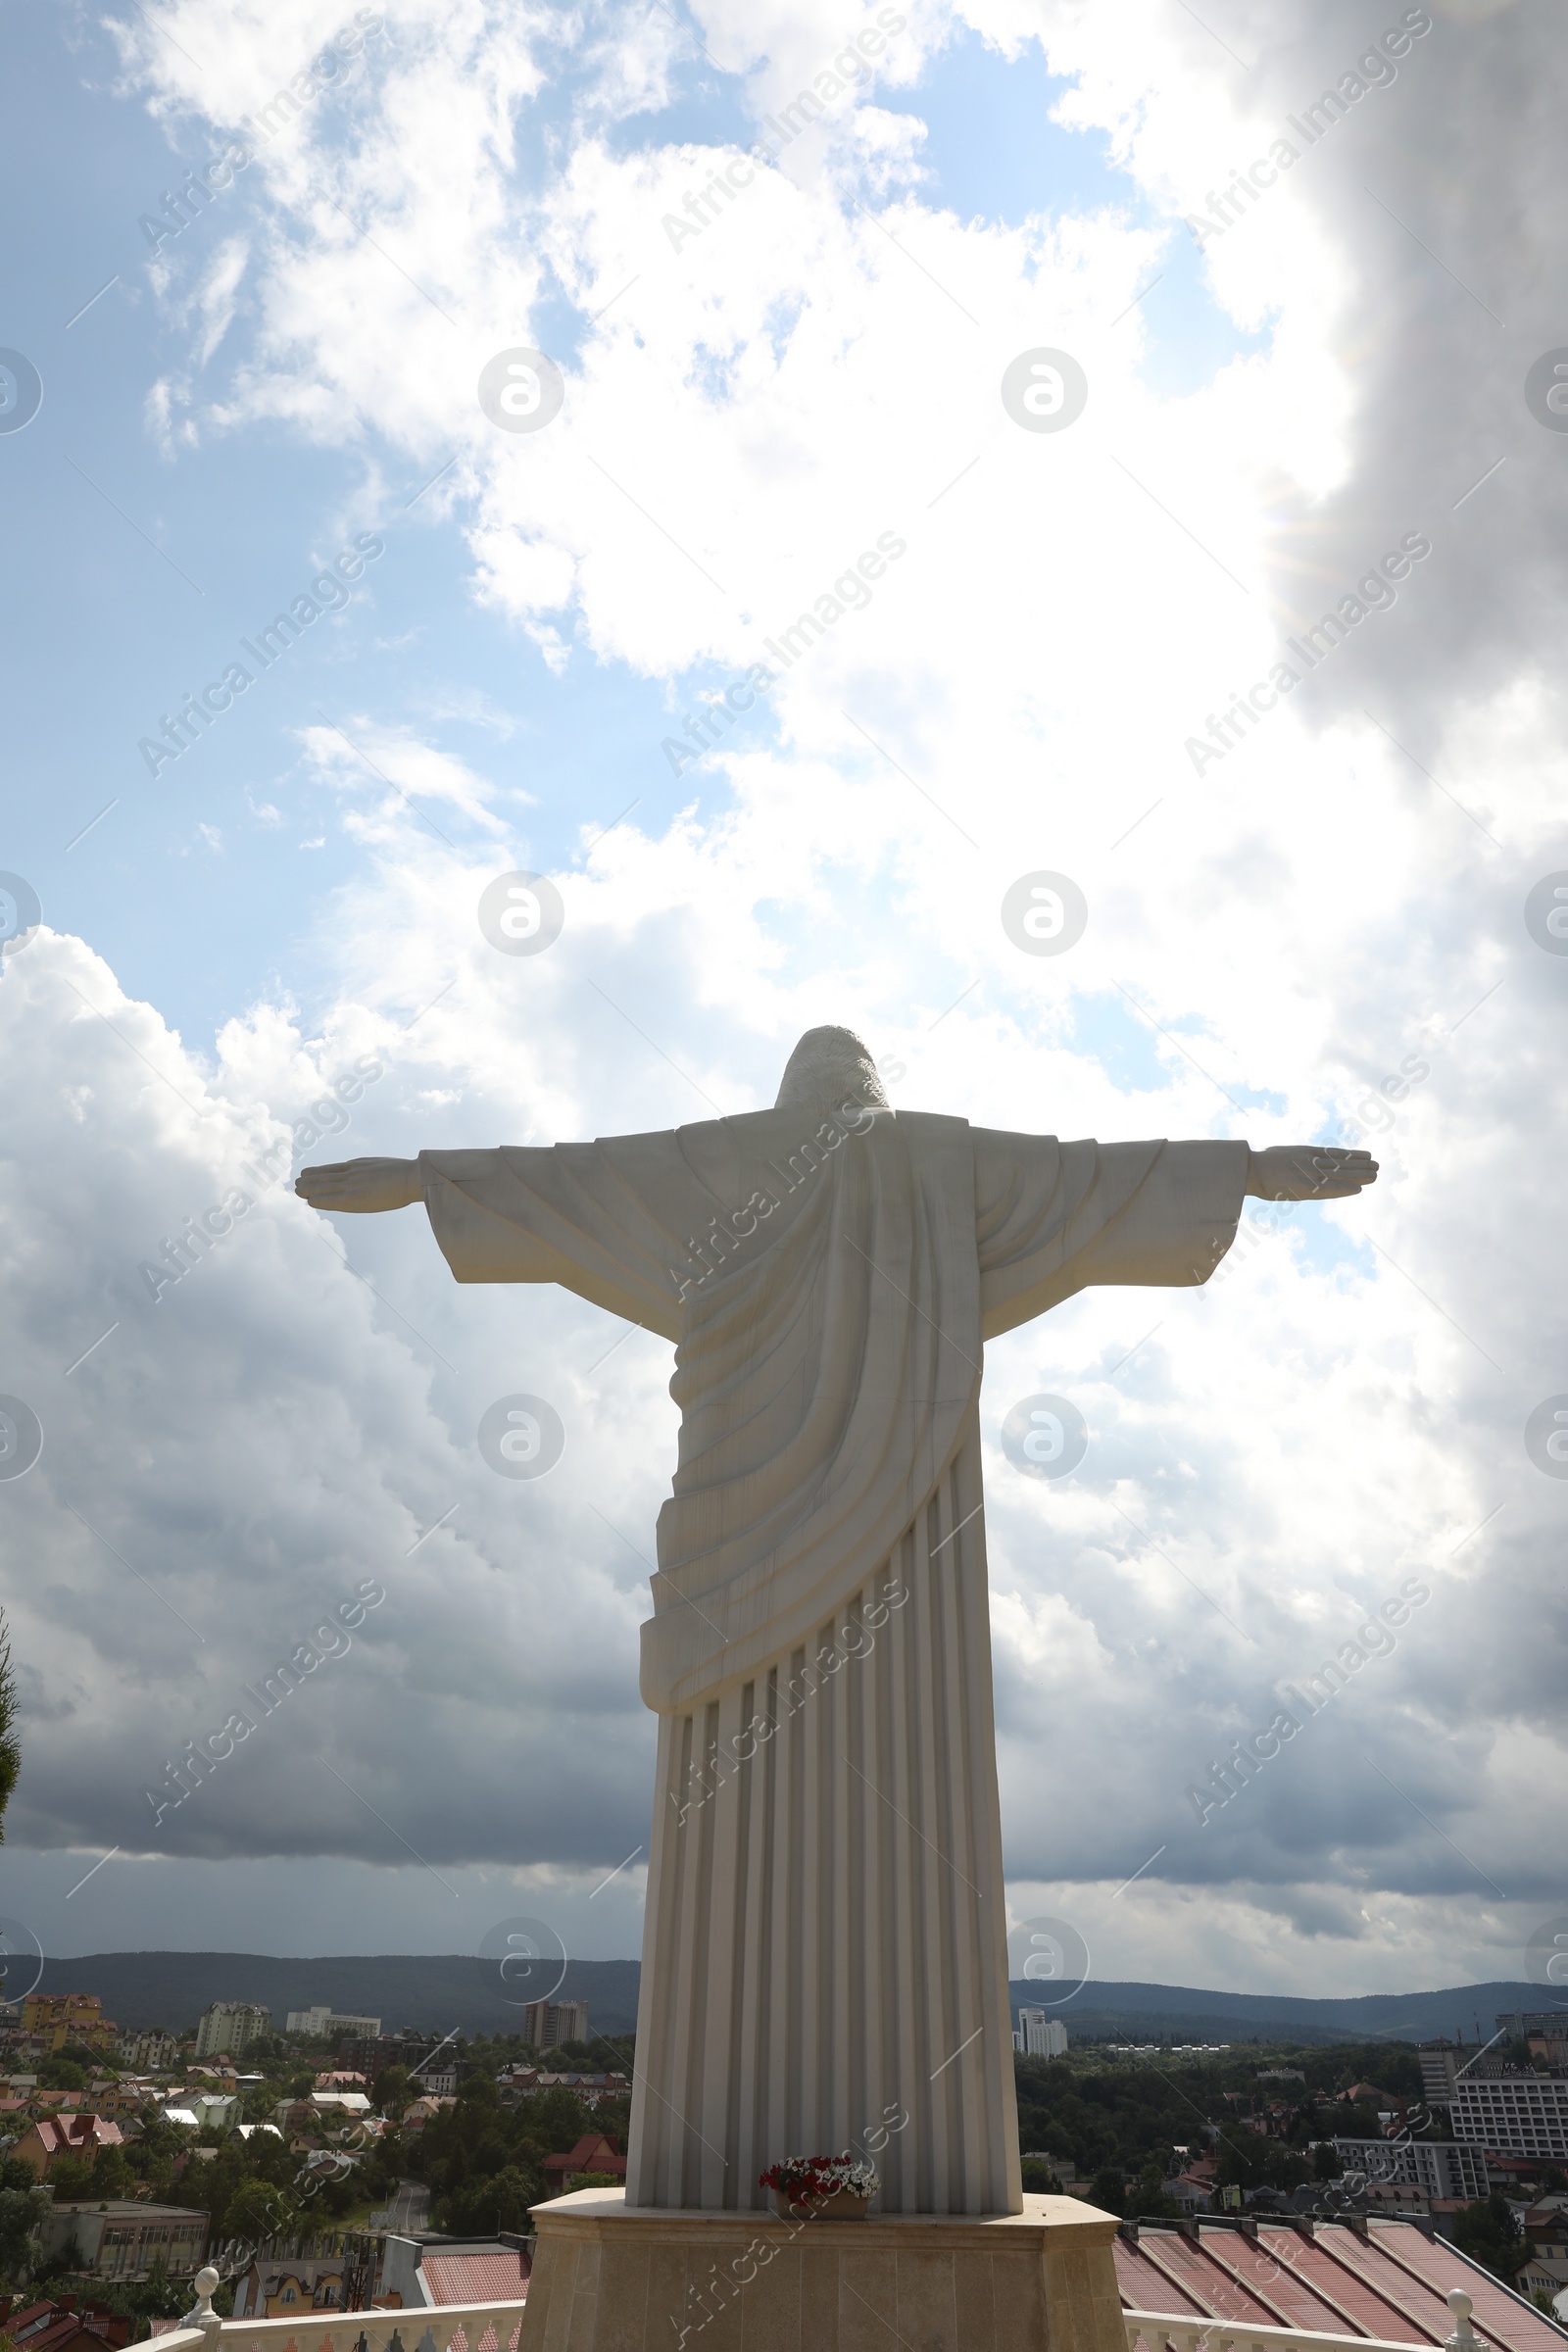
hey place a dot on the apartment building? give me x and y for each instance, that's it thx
(547, 2023)
(1519, 2112)
(231, 2025)
(1440, 2168)
(1039, 2035)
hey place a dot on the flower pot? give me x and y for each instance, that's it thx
(840, 2208)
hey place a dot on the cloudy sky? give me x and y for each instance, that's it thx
(1305, 394)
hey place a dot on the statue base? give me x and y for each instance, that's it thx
(613, 2278)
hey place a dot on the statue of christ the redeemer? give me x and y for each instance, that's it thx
(824, 1956)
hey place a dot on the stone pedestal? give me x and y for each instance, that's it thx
(614, 2278)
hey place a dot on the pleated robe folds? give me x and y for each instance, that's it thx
(824, 1958)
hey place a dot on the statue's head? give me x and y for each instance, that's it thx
(830, 1066)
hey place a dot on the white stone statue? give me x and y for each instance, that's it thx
(824, 1956)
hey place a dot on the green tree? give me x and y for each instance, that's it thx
(500, 2202)
(465, 2151)
(1148, 2200)
(70, 2178)
(10, 1748)
(112, 2175)
(21, 2212)
(394, 2088)
(154, 2156)
(1485, 2232)
(257, 2210)
(1326, 2165)
(1108, 2190)
(560, 2119)
(338, 2197)
(61, 2073)
(158, 2296)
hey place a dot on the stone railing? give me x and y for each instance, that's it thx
(444, 2327)
(496, 2327)
(1187, 2331)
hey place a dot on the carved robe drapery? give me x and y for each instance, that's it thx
(824, 1958)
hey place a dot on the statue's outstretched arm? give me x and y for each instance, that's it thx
(361, 1185)
(576, 1214)
(1308, 1173)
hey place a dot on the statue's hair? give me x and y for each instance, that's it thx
(827, 1067)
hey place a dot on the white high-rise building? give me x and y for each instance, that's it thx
(1518, 2113)
(1040, 2035)
(152, 2050)
(547, 2023)
(327, 2021)
(322, 2019)
(229, 2025)
(1444, 2168)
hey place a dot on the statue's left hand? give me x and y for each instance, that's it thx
(1308, 1173)
(362, 1186)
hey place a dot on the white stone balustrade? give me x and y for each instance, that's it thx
(447, 2327)
(498, 2327)
(1188, 2332)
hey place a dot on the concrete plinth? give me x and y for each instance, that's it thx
(614, 2278)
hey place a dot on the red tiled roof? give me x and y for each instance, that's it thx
(593, 2153)
(1392, 2284)
(62, 2135)
(1370, 2292)
(475, 2277)
(72, 2333)
(1502, 2317)
(49, 2325)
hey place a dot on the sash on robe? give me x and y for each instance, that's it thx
(828, 1288)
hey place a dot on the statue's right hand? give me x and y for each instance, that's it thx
(361, 1185)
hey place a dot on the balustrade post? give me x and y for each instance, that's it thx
(201, 2312)
(1464, 2337)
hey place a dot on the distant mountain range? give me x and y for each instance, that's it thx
(448, 1991)
(1181, 2013)
(441, 1991)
